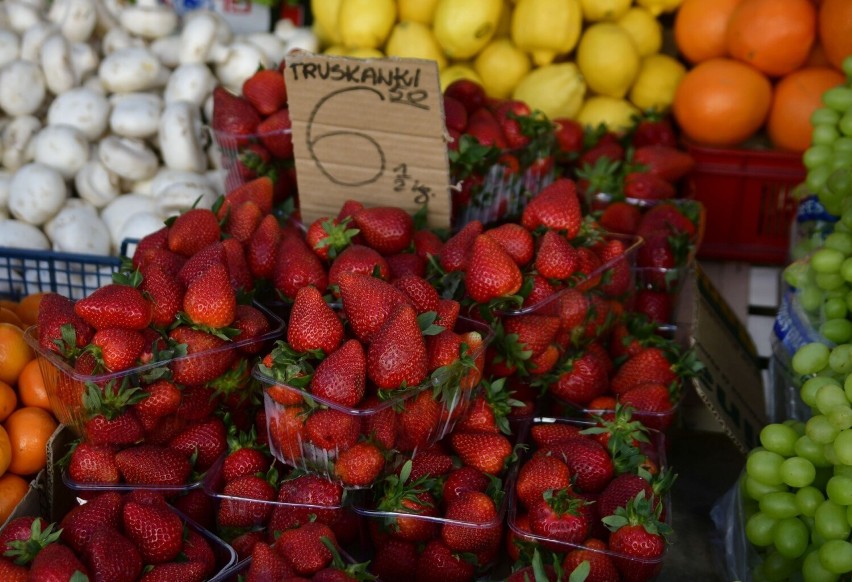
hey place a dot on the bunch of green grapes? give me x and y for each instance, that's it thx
(798, 483)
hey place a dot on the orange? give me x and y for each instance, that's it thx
(796, 97)
(15, 352)
(5, 451)
(28, 308)
(835, 29)
(775, 36)
(8, 401)
(722, 102)
(9, 316)
(29, 429)
(31, 387)
(817, 56)
(700, 27)
(12, 490)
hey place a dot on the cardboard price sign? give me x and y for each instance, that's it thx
(369, 130)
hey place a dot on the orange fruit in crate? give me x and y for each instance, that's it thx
(31, 387)
(5, 451)
(796, 97)
(29, 429)
(835, 29)
(722, 102)
(8, 401)
(700, 27)
(12, 490)
(15, 352)
(28, 308)
(774, 36)
(9, 316)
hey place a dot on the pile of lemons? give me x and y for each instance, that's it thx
(597, 61)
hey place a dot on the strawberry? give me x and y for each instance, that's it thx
(555, 207)
(198, 550)
(331, 430)
(644, 186)
(438, 562)
(442, 349)
(590, 462)
(157, 240)
(581, 378)
(198, 263)
(628, 486)
(197, 506)
(57, 563)
(56, 311)
(258, 191)
(163, 258)
(638, 540)
(420, 293)
(93, 464)
(448, 312)
(386, 229)
(358, 259)
(11, 572)
(110, 420)
(545, 361)
(245, 502)
(117, 348)
(455, 254)
(380, 425)
(455, 114)
(359, 465)
(297, 266)
(175, 572)
(111, 557)
(252, 324)
(664, 161)
(198, 403)
(621, 217)
(472, 507)
(341, 377)
(484, 127)
(368, 302)
(487, 452)
(546, 434)
(652, 404)
(561, 516)
(670, 218)
(152, 465)
(467, 92)
(200, 368)
(165, 294)
(594, 552)
(418, 421)
(234, 118)
(515, 240)
(462, 480)
(267, 564)
(653, 130)
(509, 114)
(80, 524)
(328, 237)
(649, 365)
(245, 543)
(304, 498)
(156, 530)
(243, 460)
(276, 135)
(192, 231)
(286, 429)
(210, 300)
(539, 474)
(534, 332)
(540, 291)
(261, 254)
(405, 264)
(243, 221)
(313, 324)
(266, 91)
(402, 495)
(426, 463)
(658, 306)
(207, 441)
(569, 135)
(115, 305)
(21, 529)
(607, 147)
(303, 548)
(397, 353)
(491, 272)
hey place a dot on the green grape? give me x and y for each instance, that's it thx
(808, 498)
(836, 556)
(845, 125)
(814, 452)
(814, 571)
(830, 281)
(827, 260)
(830, 453)
(838, 98)
(765, 466)
(842, 147)
(754, 489)
(797, 425)
(839, 293)
(824, 134)
(779, 505)
(830, 521)
(840, 417)
(811, 297)
(816, 179)
(835, 307)
(840, 180)
(825, 116)
(790, 537)
(838, 331)
(817, 156)
(839, 490)
(838, 162)
(820, 430)
(849, 514)
(759, 528)
(779, 438)
(832, 395)
(795, 274)
(839, 241)
(841, 470)
(811, 386)
(846, 269)
(810, 358)
(777, 568)
(797, 472)
(843, 446)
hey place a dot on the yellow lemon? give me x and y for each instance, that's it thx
(365, 23)
(464, 27)
(325, 21)
(336, 50)
(365, 53)
(645, 30)
(501, 65)
(421, 11)
(597, 10)
(615, 114)
(655, 86)
(657, 7)
(556, 90)
(414, 40)
(457, 71)
(546, 28)
(608, 59)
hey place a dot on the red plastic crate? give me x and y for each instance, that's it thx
(748, 197)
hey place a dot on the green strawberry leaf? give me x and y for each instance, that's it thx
(581, 572)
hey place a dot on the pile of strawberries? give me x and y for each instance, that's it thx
(592, 492)
(121, 538)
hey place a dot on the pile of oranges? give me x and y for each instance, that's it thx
(758, 64)
(26, 420)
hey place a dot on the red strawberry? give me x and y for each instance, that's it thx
(448, 313)
(427, 243)
(11, 572)
(556, 258)
(267, 565)
(487, 452)
(595, 552)
(442, 349)
(569, 135)
(545, 434)
(234, 118)
(332, 430)
(380, 424)
(468, 93)
(397, 353)
(438, 562)
(152, 465)
(539, 474)
(244, 544)
(276, 135)
(303, 548)
(111, 557)
(455, 114)
(665, 161)
(541, 290)
(405, 264)
(115, 305)
(198, 551)
(157, 240)
(647, 187)
(210, 300)
(156, 530)
(561, 516)
(198, 263)
(200, 368)
(427, 463)
(607, 146)
(455, 254)
(261, 254)
(118, 348)
(652, 404)
(245, 502)
(244, 461)
(395, 560)
(637, 540)
(252, 325)
(628, 485)
(93, 464)
(56, 563)
(266, 91)
(621, 217)
(55, 312)
(359, 465)
(198, 403)
(581, 379)
(545, 361)
(508, 113)
(110, 419)
(491, 272)
(420, 293)
(328, 237)
(298, 266)
(368, 302)
(303, 499)
(471, 507)
(462, 480)
(285, 432)
(649, 365)
(205, 440)
(163, 258)
(484, 127)
(386, 229)
(418, 421)
(358, 259)
(79, 524)
(658, 306)
(590, 463)
(175, 572)
(258, 191)
(341, 377)
(515, 240)
(197, 506)
(243, 220)
(556, 207)
(670, 218)
(313, 324)
(192, 231)
(164, 292)
(654, 131)
(534, 332)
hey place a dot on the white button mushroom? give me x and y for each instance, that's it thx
(80, 230)
(22, 88)
(149, 22)
(63, 148)
(116, 213)
(33, 38)
(76, 18)
(10, 46)
(84, 60)
(59, 74)
(96, 185)
(22, 235)
(141, 224)
(131, 69)
(180, 137)
(131, 159)
(37, 193)
(135, 114)
(17, 137)
(178, 197)
(198, 36)
(242, 62)
(116, 39)
(191, 82)
(22, 15)
(272, 47)
(167, 49)
(83, 108)
(5, 186)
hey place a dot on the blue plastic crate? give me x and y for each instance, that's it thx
(27, 271)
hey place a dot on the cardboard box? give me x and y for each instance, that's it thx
(728, 393)
(34, 503)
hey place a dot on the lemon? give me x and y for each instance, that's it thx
(457, 71)
(414, 40)
(421, 11)
(365, 53)
(546, 28)
(557, 90)
(365, 23)
(659, 76)
(597, 10)
(464, 27)
(501, 65)
(657, 7)
(645, 30)
(325, 21)
(615, 114)
(336, 50)
(608, 59)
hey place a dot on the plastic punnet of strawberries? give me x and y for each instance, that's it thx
(592, 492)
